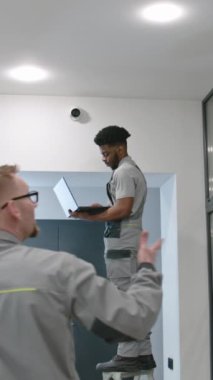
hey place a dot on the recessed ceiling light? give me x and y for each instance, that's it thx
(162, 12)
(28, 73)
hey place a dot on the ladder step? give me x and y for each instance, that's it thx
(140, 375)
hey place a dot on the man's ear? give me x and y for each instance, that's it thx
(13, 210)
(120, 148)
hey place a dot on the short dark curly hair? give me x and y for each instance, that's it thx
(111, 135)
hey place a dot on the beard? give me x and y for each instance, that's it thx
(115, 162)
(35, 231)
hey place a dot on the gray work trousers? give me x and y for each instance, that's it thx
(119, 272)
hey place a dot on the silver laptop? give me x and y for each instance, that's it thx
(68, 202)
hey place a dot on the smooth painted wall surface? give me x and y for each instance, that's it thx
(38, 134)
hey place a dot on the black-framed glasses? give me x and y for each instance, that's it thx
(33, 195)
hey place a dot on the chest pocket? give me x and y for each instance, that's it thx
(112, 230)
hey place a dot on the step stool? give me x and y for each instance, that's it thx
(140, 375)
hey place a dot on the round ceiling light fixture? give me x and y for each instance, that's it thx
(162, 12)
(27, 73)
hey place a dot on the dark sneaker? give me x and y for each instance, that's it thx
(119, 364)
(146, 362)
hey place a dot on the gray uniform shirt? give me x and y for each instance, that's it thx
(127, 181)
(42, 291)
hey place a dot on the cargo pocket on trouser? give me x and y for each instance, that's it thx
(112, 230)
(120, 270)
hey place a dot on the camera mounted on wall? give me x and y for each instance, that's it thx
(75, 113)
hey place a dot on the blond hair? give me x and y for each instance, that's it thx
(7, 173)
(7, 170)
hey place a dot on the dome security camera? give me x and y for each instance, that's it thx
(75, 113)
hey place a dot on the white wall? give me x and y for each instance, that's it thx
(171, 310)
(38, 134)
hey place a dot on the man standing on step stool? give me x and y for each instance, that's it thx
(127, 191)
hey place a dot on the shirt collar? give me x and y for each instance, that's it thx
(7, 236)
(125, 159)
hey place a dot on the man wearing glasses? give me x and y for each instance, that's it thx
(27, 201)
(42, 291)
(127, 192)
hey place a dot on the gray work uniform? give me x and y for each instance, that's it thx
(121, 238)
(42, 291)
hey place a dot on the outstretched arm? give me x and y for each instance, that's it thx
(113, 314)
(147, 254)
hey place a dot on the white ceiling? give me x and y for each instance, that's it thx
(102, 48)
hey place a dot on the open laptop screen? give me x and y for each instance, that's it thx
(68, 202)
(65, 197)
